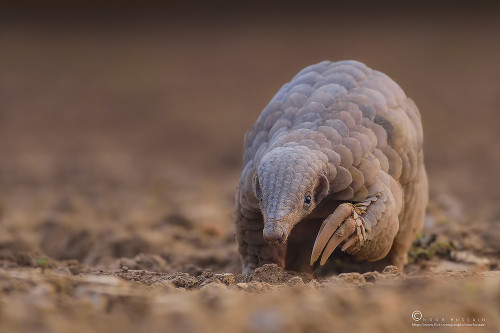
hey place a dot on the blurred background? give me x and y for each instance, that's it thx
(121, 126)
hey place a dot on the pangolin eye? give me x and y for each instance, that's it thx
(307, 200)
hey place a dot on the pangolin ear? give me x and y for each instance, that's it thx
(322, 188)
(256, 187)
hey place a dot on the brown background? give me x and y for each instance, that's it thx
(183, 83)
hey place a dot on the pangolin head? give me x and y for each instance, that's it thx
(289, 183)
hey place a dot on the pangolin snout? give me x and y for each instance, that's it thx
(274, 234)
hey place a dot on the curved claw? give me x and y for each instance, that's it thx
(328, 227)
(350, 242)
(343, 233)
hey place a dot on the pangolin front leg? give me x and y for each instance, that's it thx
(353, 224)
(254, 251)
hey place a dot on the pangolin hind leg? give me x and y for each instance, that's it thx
(412, 220)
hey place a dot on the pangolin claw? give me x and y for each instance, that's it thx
(328, 228)
(345, 230)
(351, 241)
(345, 225)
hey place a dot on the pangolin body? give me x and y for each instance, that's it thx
(336, 157)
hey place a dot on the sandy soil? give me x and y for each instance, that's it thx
(121, 148)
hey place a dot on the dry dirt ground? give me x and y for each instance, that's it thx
(120, 154)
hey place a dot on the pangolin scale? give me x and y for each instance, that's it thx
(334, 159)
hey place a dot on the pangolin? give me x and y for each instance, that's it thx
(335, 158)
